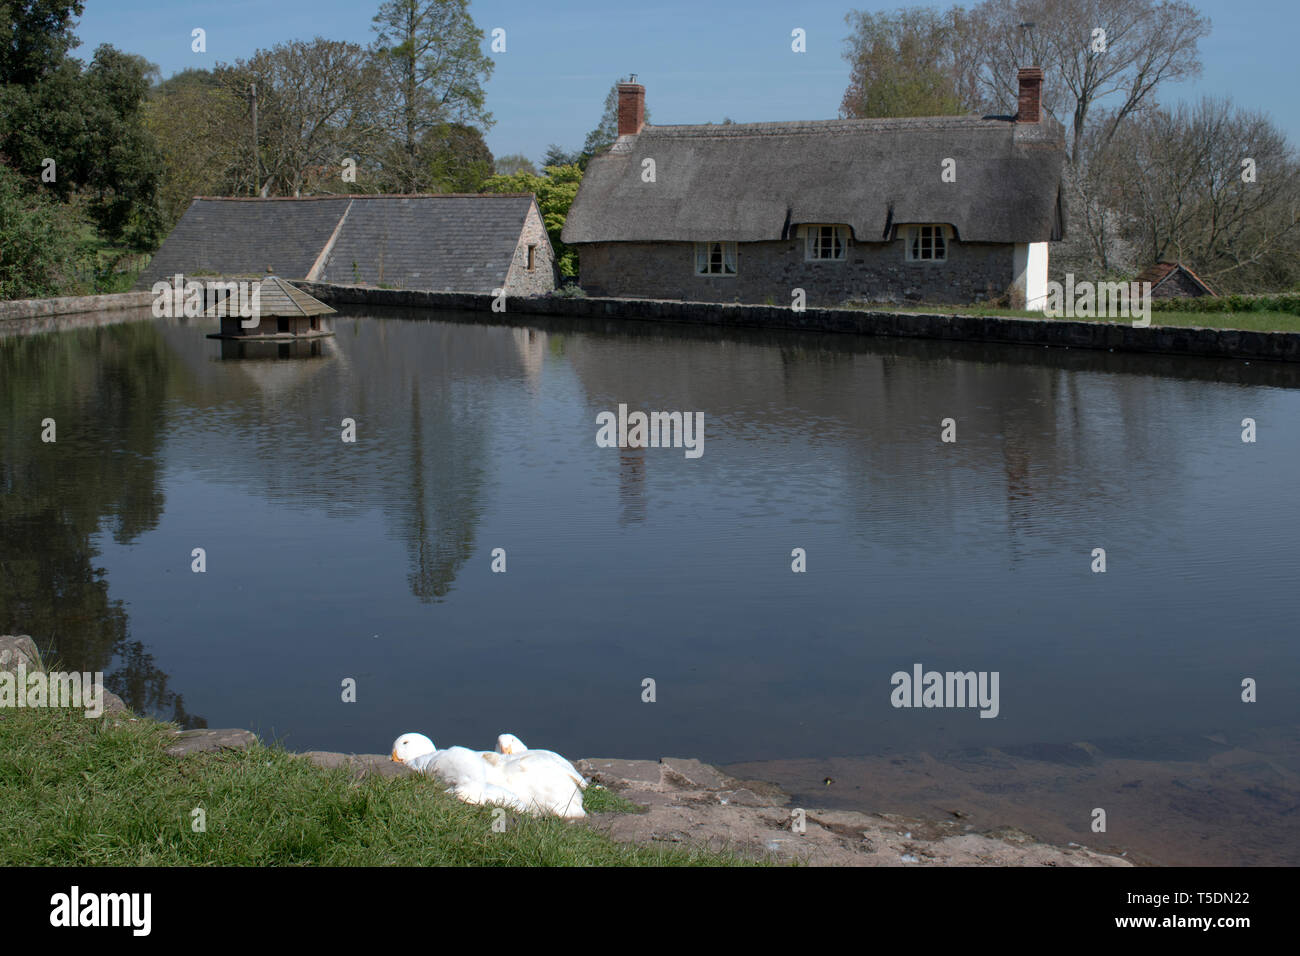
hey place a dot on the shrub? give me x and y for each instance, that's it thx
(38, 240)
(1285, 302)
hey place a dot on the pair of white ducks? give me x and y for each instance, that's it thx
(533, 781)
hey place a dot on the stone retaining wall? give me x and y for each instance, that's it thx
(71, 305)
(1211, 343)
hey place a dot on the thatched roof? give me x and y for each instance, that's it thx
(757, 181)
(457, 242)
(276, 297)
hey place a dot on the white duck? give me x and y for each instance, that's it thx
(463, 770)
(512, 745)
(539, 781)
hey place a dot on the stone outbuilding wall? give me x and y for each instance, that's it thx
(542, 278)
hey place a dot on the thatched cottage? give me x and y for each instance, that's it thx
(946, 209)
(457, 243)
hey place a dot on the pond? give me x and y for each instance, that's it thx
(372, 560)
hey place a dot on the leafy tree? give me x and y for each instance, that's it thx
(35, 37)
(433, 68)
(38, 240)
(555, 192)
(905, 63)
(90, 121)
(202, 132)
(121, 165)
(460, 161)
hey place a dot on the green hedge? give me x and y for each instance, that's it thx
(1285, 302)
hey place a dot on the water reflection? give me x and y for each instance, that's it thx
(370, 558)
(105, 389)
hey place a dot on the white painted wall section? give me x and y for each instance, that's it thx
(1030, 268)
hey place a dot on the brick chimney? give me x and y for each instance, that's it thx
(1030, 107)
(631, 108)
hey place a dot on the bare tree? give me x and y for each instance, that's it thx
(1215, 187)
(1095, 54)
(317, 106)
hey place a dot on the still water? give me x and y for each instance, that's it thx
(372, 560)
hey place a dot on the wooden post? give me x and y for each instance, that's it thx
(257, 170)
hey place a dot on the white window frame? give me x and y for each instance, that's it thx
(817, 237)
(724, 258)
(932, 236)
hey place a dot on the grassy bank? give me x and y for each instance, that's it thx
(1264, 321)
(79, 792)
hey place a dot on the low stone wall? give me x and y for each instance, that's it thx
(71, 305)
(1118, 337)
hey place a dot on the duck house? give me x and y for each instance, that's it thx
(274, 311)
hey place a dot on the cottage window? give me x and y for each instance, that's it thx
(715, 258)
(532, 258)
(926, 243)
(826, 242)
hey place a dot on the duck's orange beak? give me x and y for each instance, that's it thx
(395, 758)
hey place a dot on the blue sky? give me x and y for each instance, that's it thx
(701, 61)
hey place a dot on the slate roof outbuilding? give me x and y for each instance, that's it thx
(461, 243)
(454, 243)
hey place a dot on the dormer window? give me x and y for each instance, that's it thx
(825, 242)
(926, 243)
(715, 258)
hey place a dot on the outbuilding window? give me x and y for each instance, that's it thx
(826, 242)
(532, 258)
(926, 243)
(715, 258)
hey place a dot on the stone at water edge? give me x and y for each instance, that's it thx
(15, 648)
(694, 774)
(207, 741)
(20, 648)
(361, 765)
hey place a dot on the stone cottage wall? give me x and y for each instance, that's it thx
(768, 271)
(519, 281)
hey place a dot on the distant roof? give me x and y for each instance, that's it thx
(459, 242)
(1161, 271)
(755, 181)
(277, 297)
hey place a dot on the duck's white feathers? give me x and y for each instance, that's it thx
(513, 746)
(542, 784)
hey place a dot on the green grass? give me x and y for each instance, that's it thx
(1270, 321)
(598, 799)
(79, 792)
